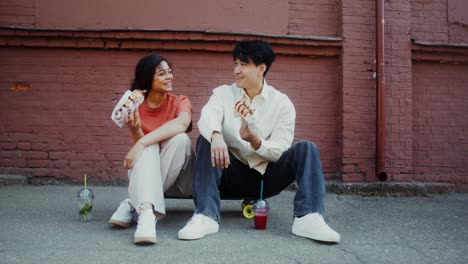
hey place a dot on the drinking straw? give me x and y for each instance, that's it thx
(85, 182)
(261, 190)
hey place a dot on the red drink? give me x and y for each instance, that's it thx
(260, 219)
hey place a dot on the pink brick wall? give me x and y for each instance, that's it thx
(314, 18)
(61, 124)
(312, 84)
(440, 124)
(334, 96)
(437, 21)
(61, 127)
(429, 20)
(398, 90)
(296, 17)
(358, 92)
(17, 12)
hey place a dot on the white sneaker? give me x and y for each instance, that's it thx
(314, 227)
(146, 228)
(123, 216)
(198, 226)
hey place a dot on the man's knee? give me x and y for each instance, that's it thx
(202, 143)
(202, 140)
(306, 145)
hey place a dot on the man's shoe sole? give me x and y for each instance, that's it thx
(317, 238)
(185, 237)
(145, 240)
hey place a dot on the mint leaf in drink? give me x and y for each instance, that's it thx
(86, 209)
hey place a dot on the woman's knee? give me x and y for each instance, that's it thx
(180, 141)
(151, 150)
(181, 138)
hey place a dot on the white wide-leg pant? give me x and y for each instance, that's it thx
(164, 168)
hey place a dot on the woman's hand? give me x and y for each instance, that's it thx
(133, 121)
(219, 151)
(132, 155)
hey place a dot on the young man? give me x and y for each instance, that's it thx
(232, 159)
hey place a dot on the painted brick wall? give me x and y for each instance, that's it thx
(45, 131)
(457, 20)
(312, 84)
(398, 90)
(429, 20)
(296, 17)
(358, 95)
(61, 128)
(440, 127)
(437, 21)
(17, 12)
(314, 18)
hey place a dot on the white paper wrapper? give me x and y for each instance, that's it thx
(251, 119)
(119, 116)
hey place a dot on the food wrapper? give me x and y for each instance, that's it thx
(129, 101)
(243, 110)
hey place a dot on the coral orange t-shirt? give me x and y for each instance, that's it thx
(151, 118)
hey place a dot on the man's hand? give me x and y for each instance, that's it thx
(248, 135)
(219, 151)
(132, 155)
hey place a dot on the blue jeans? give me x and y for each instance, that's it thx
(301, 162)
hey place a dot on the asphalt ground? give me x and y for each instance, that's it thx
(40, 224)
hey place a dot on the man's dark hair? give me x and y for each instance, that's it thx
(144, 72)
(257, 51)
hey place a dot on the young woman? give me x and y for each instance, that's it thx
(161, 157)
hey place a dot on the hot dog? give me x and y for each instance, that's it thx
(134, 99)
(242, 109)
(129, 101)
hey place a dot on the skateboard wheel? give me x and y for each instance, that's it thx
(247, 211)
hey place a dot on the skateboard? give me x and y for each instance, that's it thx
(246, 205)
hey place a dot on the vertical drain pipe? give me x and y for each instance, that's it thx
(380, 85)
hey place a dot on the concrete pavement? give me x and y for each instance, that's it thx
(39, 224)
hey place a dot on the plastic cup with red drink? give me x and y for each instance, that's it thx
(261, 209)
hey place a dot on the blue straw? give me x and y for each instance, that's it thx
(261, 190)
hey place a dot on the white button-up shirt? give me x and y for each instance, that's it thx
(276, 120)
